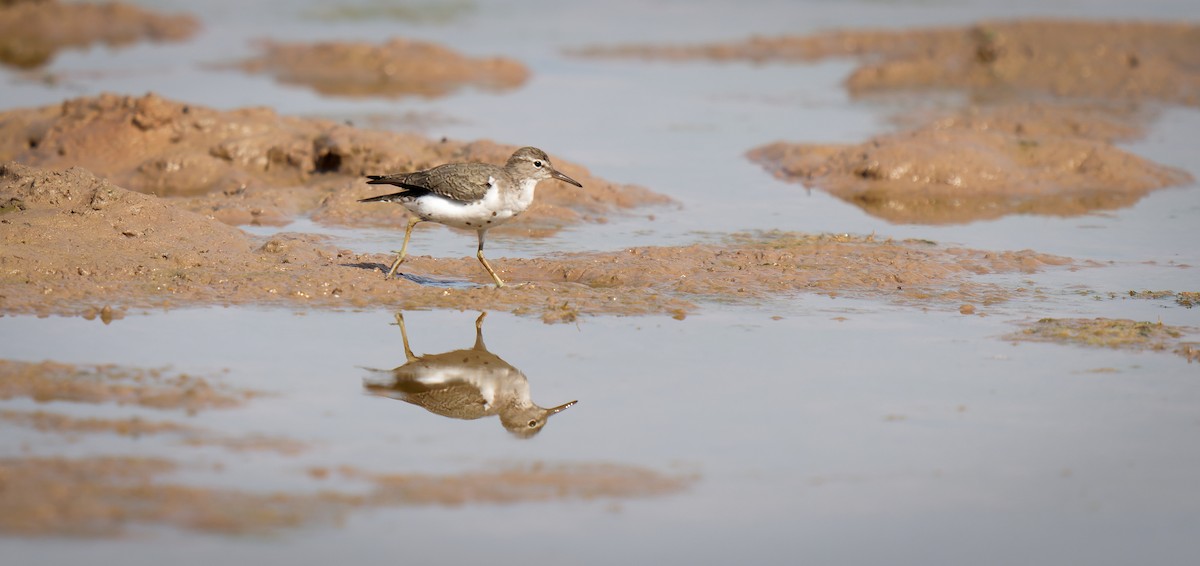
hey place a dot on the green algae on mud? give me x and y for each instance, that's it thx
(1120, 334)
(1186, 299)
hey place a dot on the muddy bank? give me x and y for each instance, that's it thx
(979, 164)
(1133, 61)
(76, 243)
(32, 31)
(109, 496)
(253, 166)
(398, 67)
(1122, 334)
(1047, 100)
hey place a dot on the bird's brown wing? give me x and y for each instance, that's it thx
(463, 182)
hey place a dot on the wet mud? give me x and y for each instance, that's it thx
(965, 170)
(1046, 99)
(398, 67)
(253, 166)
(77, 243)
(33, 31)
(1132, 61)
(1123, 334)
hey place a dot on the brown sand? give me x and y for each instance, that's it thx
(32, 31)
(253, 166)
(957, 171)
(76, 243)
(398, 67)
(1063, 58)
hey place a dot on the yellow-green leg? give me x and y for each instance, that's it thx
(408, 353)
(412, 221)
(485, 263)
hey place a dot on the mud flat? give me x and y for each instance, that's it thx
(1047, 98)
(76, 244)
(398, 67)
(253, 166)
(32, 31)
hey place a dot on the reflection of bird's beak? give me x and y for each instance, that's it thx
(554, 173)
(560, 408)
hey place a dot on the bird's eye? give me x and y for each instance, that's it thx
(537, 163)
(532, 424)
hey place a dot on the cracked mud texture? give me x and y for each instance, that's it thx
(76, 244)
(106, 496)
(1048, 98)
(32, 31)
(398, 67)
(253, 166)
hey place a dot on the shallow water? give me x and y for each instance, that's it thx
(809, 429)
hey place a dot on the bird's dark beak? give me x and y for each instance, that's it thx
(554, 173)
(564, 406)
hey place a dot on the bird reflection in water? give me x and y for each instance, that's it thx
(465, 384)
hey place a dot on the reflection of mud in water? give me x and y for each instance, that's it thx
(152, 388)
(32, 31)
(398, 67)
(466, 384)
(107, 496)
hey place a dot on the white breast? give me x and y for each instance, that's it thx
(492, 210)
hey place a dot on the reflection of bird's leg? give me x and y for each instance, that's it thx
(479, 332)
(412, 221)
(408, 353)
(485, 263)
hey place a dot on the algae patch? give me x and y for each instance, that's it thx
(1122, 334)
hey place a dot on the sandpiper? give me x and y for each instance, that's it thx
(470, 196)
(465, 384)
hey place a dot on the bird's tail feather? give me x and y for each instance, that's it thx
(383, 198)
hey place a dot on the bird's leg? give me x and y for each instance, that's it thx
(408, 353)
(485, 263)
(412, 221)
(479, 332)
